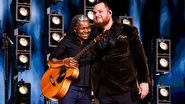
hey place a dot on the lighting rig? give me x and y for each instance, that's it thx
(161, 64)
(55, 28)
(161, 49)
(23, 52)
(53, 32)
(21, 11)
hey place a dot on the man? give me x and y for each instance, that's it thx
(75, 40)
(120, 72)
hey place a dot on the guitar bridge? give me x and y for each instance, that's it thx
(52, 80)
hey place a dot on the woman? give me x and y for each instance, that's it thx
(76, 39)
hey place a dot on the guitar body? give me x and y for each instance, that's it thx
(55, 86)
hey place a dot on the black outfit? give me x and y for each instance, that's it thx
(70, 46)
(120, 64)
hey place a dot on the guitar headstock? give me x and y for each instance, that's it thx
(101, 36)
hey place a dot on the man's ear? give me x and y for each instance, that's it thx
(110, 12)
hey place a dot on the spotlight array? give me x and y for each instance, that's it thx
(23, 52)
(21, 11)
(161, 64)
(55, 29)
(162, 55)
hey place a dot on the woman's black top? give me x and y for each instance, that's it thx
(70, 46)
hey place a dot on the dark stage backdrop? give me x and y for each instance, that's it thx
(153, 18)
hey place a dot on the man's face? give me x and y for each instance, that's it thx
(83, 30)
(101, 15)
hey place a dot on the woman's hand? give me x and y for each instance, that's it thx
(70, 62)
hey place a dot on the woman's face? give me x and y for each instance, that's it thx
(83, 30)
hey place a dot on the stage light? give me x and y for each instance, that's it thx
(163, 62)
(55, 29)
(161, 55)
(23, 43)
(23, 93)
(23, 60)
(56, 36)
(23, 52)
(23, 89)
(23, 10)
(56, 21)
(163, 94)
(126, 20)
(89, 13)
(163, 46)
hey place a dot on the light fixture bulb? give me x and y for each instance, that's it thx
(163, 62)
(164, 92)
(126, 21)
(56, 36)
(163, 45)
(56, 20)
(23, 58)
(23, 11)
(23, 89)
(90, 15)
(23, 42)
(92, 1)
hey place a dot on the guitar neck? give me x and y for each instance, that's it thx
(84, 50)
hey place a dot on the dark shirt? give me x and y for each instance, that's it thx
(121, 60)
(70, 46)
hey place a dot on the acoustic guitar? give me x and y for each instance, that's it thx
(57, 79)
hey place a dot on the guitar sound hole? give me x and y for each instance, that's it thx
(62, 74)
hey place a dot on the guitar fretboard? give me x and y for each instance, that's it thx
(84, 50)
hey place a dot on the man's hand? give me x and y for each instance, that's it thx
(143, 90)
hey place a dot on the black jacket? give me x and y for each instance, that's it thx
(121, 60)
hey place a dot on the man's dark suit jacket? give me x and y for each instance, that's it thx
(120, 61)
